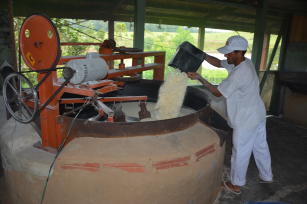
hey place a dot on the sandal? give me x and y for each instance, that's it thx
(232, 188)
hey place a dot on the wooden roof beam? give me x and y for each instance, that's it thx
(225, 3)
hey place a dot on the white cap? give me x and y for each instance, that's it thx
(234, 43)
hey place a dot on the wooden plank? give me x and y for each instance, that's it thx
(265, 48)
(298, 29)
(132, 70)
(259, 34)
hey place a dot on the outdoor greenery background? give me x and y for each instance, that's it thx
(157, 38)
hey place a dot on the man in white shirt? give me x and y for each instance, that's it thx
(245, 111)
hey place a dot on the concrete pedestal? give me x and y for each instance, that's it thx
(179, 167)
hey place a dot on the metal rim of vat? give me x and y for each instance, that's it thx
(129, 129)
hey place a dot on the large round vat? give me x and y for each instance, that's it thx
(178, 160)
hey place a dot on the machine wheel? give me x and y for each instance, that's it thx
(39, 42)
(20, 97)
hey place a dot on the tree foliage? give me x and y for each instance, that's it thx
(69, 30)
(183, 35)
(167, 42)
(157, 37)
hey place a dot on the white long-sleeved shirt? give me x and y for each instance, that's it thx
(245, 108)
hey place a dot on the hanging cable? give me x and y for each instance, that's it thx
(85, 34)
(119, 36)
(59, 150)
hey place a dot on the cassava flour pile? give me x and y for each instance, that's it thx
(171, 95)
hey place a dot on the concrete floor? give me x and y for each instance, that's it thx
(288, 145)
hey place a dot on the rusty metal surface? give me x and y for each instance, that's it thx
(85, 128)
(194, 99)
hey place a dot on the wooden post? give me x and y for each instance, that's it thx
(201, 43)
(111, 29)
(111, 36)
(7, 46)
(158, 74)
(278, 89)
(265, 48)
(259, 33)
(48, 124)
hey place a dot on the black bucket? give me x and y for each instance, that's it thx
(188, 58)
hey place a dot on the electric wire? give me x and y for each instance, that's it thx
(119, 36)
(69, 24)
(152, 44)
(59, 150)
(74, 23)
(85, 34)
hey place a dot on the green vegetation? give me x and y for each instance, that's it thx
(167, 39)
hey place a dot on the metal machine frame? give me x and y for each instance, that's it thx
(40, 48)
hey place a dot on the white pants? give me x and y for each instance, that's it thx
(244, 143)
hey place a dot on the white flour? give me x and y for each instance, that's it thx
(171, 95)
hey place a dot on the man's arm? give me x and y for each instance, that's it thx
(212, 60)
(209, 86)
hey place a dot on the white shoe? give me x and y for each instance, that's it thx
(263, 181)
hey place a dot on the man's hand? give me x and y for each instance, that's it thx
(194, 75)
(208, 85)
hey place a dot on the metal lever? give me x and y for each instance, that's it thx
(103, 107)
(144, 113)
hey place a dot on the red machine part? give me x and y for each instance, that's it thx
(107, 47)
(39, 45)
(40, 49)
